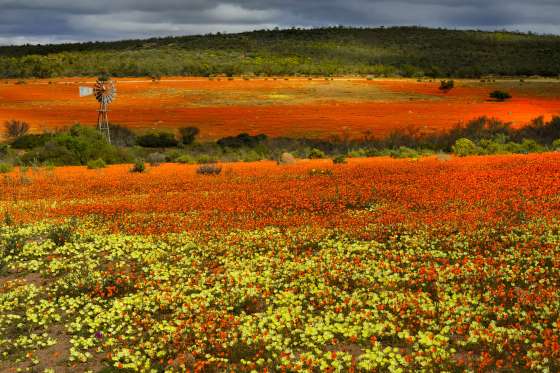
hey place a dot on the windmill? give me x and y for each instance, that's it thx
(105, 92)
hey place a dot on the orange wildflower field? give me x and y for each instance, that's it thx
(278, 107)
(174, 198)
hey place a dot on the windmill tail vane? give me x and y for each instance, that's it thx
(105, 92)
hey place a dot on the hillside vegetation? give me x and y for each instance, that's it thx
(398, 51)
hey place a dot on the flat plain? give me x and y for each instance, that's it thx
(294, 107)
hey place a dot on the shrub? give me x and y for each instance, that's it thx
(241, 140)
(464, 147)
(341, 159)
(5, 168)
(556, 144)
(96, 164)
(250, 156)
(500, 95)
(188, 134)
(209, 169)
(530, 146)
(316, 154)
(155, 159)
(138, 167)
(404, 152)
(31, 141)
(4, 148)
(157, 140)
(84, 144)
(446, 85)
(15, 128)
(61, 234)
(187, 159)
(122, 136)
(286, 158)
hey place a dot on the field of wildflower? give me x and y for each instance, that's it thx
(379, 264)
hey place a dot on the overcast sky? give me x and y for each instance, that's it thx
(48, 21)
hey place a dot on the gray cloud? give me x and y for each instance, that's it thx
(44, 21)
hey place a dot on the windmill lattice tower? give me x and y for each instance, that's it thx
(105, 92)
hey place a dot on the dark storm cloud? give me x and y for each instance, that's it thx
(74, 20)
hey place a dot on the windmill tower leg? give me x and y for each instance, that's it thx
(103, 122)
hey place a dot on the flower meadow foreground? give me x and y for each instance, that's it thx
(375, 265)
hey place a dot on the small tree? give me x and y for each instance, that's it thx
(446, 85)
(188, 134)
(500, 96)
(15, 128)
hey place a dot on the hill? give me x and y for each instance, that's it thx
(396, 51)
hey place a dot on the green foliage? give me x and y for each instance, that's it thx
(187, 159)
(31, 141)
(405, 152)
(96, 164)
(157, 140)
(61, 234)
(446, 85)
(122, 136)
(155, 159)
(138, 167)
(402, 51)
(500, 95)
(4, 149)
(341, 159)
(5, 168)
(465, 147)
(316, 154)
(556, 144)
(82, 144)
(241, 140)
(188, 134)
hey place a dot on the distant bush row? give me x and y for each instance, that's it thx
(81, 145)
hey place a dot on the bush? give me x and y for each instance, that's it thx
(404, 152)
(15, 128)
(187, 159)
(122, 136)
(188, 134)
(4, 149)
(61, 234)
(341, 159)
(31, 141)
(464, 147)
(316, 154)
(138, 167)
(155, 159)
(96, 164)
(5, 168)
(286, 158)
(530, 146)
(209, 169)
(446, 85)
(157, 140)
(500, 95)
(241, 140)
(556, 144)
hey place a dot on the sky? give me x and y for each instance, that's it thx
(56, 21)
